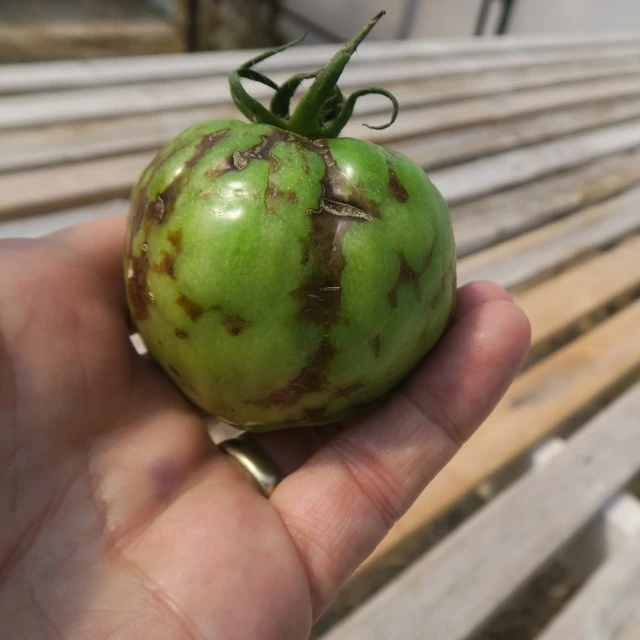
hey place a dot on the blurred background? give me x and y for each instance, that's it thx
(63, 29)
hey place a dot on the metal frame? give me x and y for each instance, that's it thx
(503, 24)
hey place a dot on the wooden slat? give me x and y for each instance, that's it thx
(452, 591)
(446, 148)
(607, 607)
(70, 185)
(85, 140)
(479, 177)
(63, 106)
(51, 189)
(578, 292)
(54, 76)
(541, 401)
(35, 226)
(498, 217)
(526, 257)
(73, 142)
(421, 121)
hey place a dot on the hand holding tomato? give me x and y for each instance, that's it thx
(120, 519)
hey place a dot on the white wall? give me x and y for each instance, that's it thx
(455, 18)
(431, 18)
(546, 16)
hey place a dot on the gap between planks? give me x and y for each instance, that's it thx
(608, 606)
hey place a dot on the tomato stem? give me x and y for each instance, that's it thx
(322, 111)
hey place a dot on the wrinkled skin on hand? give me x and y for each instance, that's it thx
(282, 281)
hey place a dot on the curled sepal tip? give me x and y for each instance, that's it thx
(322, 112)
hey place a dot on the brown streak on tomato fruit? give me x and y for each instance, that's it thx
(175, 238)
(174, 370)
(183, 335)
(137, 286)
(396, 187)
(304, 249)
(166, 266)
(319, 294)
(339, 188)
(374, 345)
(235, 324)
(206, 142)
(191, 308)
(261, 151)
(344, 392)
(138, 207)
(276, 198)
(406, 276)
(312, 378)
(169, 196)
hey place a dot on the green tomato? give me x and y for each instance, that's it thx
(286, 280)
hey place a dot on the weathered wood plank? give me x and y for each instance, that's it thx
(607, 607)
(541, 401)
(498, 217)
(35, 226)
(532, 255)
(446, 148)
(452, 591)
(69, 185)
(55, 76)
(579, 292)
(111, 101)
(478, 177)
(51, 189)
(487, 110)
(87, 140)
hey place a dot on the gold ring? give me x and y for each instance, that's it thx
(254, 462)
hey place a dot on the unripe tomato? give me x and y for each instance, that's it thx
(284, 278)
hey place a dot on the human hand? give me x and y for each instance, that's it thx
(121, 519)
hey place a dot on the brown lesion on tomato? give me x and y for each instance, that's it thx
(446, 281)
(342, 193)
(275, 198)
(407, 275)
(235, 324)
(182, 335)
(190, 307)
(312, 378)
(304, 250)
(205, 143)
(345, 392)
(138, 208)
(166, 265)
(263, 150)
(374, 345)
(396, 187)
(175, 239)
(138, 286)
(174, 371)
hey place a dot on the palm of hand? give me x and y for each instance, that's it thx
(120, 519)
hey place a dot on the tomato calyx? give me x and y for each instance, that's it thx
(323, 111)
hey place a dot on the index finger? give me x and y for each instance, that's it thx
(341, 503)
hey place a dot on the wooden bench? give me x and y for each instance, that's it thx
(535, 143)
